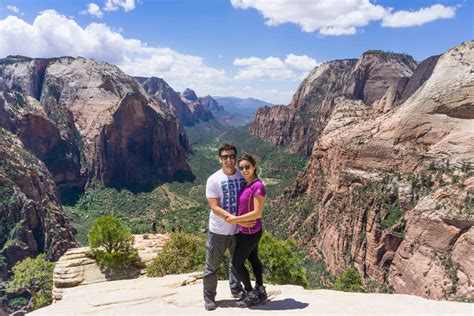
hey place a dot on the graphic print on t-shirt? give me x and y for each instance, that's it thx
(230, 190)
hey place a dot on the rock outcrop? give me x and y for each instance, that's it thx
(78, 268)
(368, 79)
(390, 189)
(182, 295)
(32, 219)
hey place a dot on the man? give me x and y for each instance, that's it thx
(222, 189)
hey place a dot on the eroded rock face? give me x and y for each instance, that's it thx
(367, 79)
(391, 191)
(81, 99)
(134, 151)
(32, 218)
(61, 157)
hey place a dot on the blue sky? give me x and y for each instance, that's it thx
(245, 48)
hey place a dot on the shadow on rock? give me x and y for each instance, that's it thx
(123, 273)
(286, 304)
(226, 303)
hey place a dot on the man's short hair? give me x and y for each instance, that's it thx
(227, 147)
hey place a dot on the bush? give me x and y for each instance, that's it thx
(185, 253)
(282, 264)
(181, 254)
(111, 243)
(349, 281)
(35, 276)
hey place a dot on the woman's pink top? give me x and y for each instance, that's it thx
(256, 188)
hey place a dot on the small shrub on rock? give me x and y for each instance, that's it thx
(282, 263)
(111, 243)
(36, 277)
(183, 253)
(348, 281)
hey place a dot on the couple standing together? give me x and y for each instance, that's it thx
(236, 198)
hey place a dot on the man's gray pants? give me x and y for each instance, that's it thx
(216, 245)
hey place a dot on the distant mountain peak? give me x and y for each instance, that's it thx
(190, 95)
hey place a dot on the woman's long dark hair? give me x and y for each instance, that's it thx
(249, 158)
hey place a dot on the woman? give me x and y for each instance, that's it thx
(250, 206)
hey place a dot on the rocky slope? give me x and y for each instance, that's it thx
(182, 295)
(88, 121)
(390, 187)
(32, 220)
(368, 79)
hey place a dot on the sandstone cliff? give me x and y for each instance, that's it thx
(368, 79)
(32, 220)
(390, 188)
(91, 122)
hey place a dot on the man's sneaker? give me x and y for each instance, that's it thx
(262, 294)
(249, 299)
(209, 304)
(238, 294)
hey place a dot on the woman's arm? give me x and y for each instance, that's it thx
(258, 202)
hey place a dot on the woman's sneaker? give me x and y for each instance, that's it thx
(248, 299)
(262, 293)
(238, 294)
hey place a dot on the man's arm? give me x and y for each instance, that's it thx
(214, 204)
(219, 211)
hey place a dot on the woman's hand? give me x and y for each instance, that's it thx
(248, 224)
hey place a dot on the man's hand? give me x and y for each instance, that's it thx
(248, 224)
(231, 219)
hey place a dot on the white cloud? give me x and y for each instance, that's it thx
(93, 9)
(272, 68)
(329, 17)
(303, 63)
(114, 5)
(420, 17)
(52, 34)
(14, 9)
(339, 17)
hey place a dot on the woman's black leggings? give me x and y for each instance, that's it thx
(247, 248)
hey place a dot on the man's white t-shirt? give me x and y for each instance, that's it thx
(225, 188)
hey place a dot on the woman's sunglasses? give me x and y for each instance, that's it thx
(247, 167)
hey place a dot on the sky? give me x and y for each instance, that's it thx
(244, 48)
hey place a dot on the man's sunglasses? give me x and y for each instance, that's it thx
(224, 157)
(245, 167)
